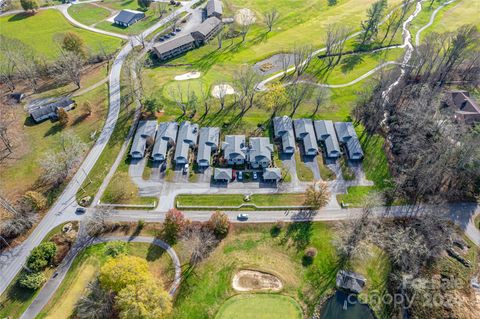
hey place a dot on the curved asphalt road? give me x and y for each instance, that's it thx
(53, 283)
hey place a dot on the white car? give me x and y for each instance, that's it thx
(242, 216)
(185, 169)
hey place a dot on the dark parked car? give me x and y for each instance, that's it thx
(80, 210)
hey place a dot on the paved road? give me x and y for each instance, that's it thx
(52, 284)
(63, 210)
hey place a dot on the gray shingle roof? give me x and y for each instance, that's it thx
(222, 174)
(174, 43)
(260, 149)
(347, 135)
(145, 129)
(304, 131)
(272, 173)
(187, 137)
(166, 135)
(208, 25)
(350, 281)
(42, 107)
(283, 128)
(234, 147)
(127, 16)
(214, 7)
(207, 143)
(326, 134)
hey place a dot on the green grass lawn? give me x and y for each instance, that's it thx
(87, 13)
(235, 200)
(139, 26)
(260, 306)
(325, 172)
(43, 31)
(85, 268)
(304, 173)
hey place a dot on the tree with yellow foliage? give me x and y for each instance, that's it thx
(275, 98)
(117, 273)
(143, 300)
(37, 199)
(317, 195)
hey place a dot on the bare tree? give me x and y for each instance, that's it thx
(317, 195)
(140, 38)
(220, 35)
(174, 22)
(159, 8)
(222, 90)
(201, 241)
(286, 59)
(296, 93)
(391, 21)
(97, 223)
(374, 17)
(245, 80)
(205, 96)
(302, 56)
(181, 98)
(322, 96)
(405, 8)
(271, 17)
(335, 40)
(245, 19)
(68, 67)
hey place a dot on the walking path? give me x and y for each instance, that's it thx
(91, 87)
(432, 19)
(53, 283)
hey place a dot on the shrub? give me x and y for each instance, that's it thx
(309, 255)
(117, 273)
(277, 228)
(115, 248)
(173, 225)
(219, 224)
(32, 281)
(41, 256)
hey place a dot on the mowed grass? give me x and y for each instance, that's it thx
(87, 13)
(236, 200)
(85, 267)
(304, 173)
(43, 31)
(260, 306)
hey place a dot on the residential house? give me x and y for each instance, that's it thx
(234, 149)
(214, 8)
(350, 281)
(304, 132)
(165, 138)
(222, 174)
(207, 144)
(349, 139)
(128, 17)
(465, 109)
(43, 109)
(174, 47)
(186, 139)
(260, 152)
(326, 135)
(283, 130)
(207, 30)
(145, 130)
(272, 174)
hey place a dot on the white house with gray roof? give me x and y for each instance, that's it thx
(145, 130)
(165, 138)
(174, 47)
(234, 149)
(260, 152)
(305, 133)
(186, 140)
(349, 139)
(207, 144)
(214, 8)
(327, 136)
(283, 130)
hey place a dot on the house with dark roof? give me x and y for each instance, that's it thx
(465, 109)
(164, 140)
(145, 130)
(350, 281)
(222, 174)
(272, 174)
(127, 17)
(328, 138)
(214, 8)
(283, 130)
(186, 140)
(207, 144)
(207, 30)
(234, 149)
(174, 47)
(348, 138)
(305, 133)
(260, 152)
(43, 109)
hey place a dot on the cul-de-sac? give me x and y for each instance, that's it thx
(240, 159)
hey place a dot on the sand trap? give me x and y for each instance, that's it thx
(187, 76)
(245, 17)
(222, 90)
(249, 280)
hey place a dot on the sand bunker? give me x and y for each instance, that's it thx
(250, 280)
(187, 76)
(245, 17)
(222, 90)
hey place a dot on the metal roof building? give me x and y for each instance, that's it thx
(304, 131)
(186, 139)
(283, 129)
(260, 152)
(234, 149)
(326, 135)
(207, 143)
(145, 129)
(348, 137)
(165, 138)
(128, 17)
(214, 8)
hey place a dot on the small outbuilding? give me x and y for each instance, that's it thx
(128, 17)
(222, 174)
(350, 281)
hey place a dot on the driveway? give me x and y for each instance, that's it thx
(311, 162)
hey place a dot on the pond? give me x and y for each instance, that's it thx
(340, 306)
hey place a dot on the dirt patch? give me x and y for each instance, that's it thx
(251, 280)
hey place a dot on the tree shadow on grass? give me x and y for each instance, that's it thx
(299, 234)
(154, 252)
(79, 119)
(54, 129)
(350, 62)
(20, 16)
